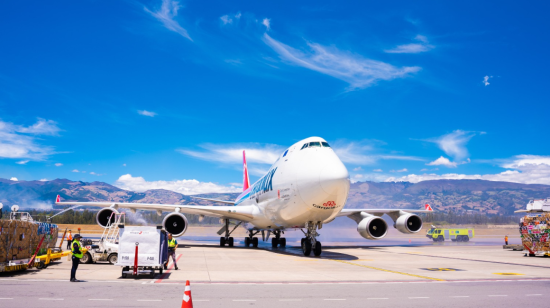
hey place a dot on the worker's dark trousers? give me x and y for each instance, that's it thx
(76, 261)
(506, 242)
(69, 245)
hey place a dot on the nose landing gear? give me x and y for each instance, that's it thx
(310, 243)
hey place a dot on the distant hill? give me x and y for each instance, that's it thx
(462, 196)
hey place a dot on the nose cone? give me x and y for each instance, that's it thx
(334, 178)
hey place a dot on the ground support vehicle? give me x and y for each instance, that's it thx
(106, 248)
(456, 235)
(142, 250)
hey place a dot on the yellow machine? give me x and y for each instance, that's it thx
(456, 235)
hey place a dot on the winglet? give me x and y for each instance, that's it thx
(57, 200)
(428, 207)
(246, 179)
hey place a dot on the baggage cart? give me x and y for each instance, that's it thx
(142, 250)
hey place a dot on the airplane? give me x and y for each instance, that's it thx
(305, 188)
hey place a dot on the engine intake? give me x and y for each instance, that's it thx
(175, 223)
(372, 228)
(103, 216)
(408, 223)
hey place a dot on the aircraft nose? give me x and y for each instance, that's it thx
(334, 178)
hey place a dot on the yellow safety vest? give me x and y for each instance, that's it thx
(78, 255)
(172, 243)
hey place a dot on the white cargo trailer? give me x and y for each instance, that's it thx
(152, 250)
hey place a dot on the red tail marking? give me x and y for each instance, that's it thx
(246, 180)
(428, 207)
(57, 199)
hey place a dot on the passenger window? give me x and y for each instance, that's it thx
(325, 144)
(315, 144)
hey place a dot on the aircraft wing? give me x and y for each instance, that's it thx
(243, 213)
(380, 212)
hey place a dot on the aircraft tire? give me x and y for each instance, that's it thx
(230, 242)
(318, 249)
(247, 242)
(282, 242)
(254, 242)
(222, 241)
(274, 243)
(306, 247)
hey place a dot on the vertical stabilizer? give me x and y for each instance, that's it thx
(246, 179)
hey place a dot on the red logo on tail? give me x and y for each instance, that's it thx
(57, 199)
(428, 207)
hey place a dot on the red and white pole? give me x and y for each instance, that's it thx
(136, 260)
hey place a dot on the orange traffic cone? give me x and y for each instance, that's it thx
(187, 301)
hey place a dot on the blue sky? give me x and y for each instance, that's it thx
(165, 94)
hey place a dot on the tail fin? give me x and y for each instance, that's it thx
(246, 179)
(57, 199)
(428, 207)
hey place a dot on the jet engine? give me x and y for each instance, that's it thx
(103, 216)
(372, 227)
(175, 223)
(408, 223)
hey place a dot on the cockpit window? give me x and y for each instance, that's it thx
(285, 153)
(315, 144)
(304, 146)
(325, 144)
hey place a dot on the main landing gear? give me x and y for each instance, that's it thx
(251, 240)
(227, 239)
(278, 240)
(310, 243)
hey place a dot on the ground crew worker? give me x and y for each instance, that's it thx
(172, 245)
(69, 240)
(76, 249)
(506, 239)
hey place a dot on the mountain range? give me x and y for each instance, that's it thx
(461, 196)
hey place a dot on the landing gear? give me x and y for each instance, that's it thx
(251, 240)
(310, 242)
(227, 239)
(278, 241)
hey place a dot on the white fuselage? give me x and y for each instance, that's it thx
(304, 185)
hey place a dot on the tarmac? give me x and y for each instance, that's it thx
(349, 273)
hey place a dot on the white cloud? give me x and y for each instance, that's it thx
(75, 170)
(238, 15)
(363, 153)
(357, 169)
(423, 46)
(486, 80)
(186, 187)
(43, 180)
(377, 170)
(267, 23)
(233, 153)
(167, 14)
(526, 169)
(359, 72)
(454, 144)
(423, 170)
(358, 176)
(400, 170)
(17, 141)
(58, 164)
(442, 161)
(14, 179)
(226, 19)
(124, 165)
(147, 113)
(22, 162)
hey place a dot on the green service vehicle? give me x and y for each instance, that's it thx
(456, 235)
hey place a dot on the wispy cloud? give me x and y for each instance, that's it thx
(58, 164)
(364, 153)
(186, 187)
(526, 169)
(22, 162)
(147, 113)
(267, 23)
(356, 70)
(486, 80)
(75, 170)
(14, 179)
(443, 161)
(18, 141)
(228, 19)
(422, 46)
(167, 14)
(454, 144)
(233, 153)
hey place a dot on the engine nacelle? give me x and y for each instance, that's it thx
(103, 216)
(408, 223)
(372, 228)
(175, 223)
